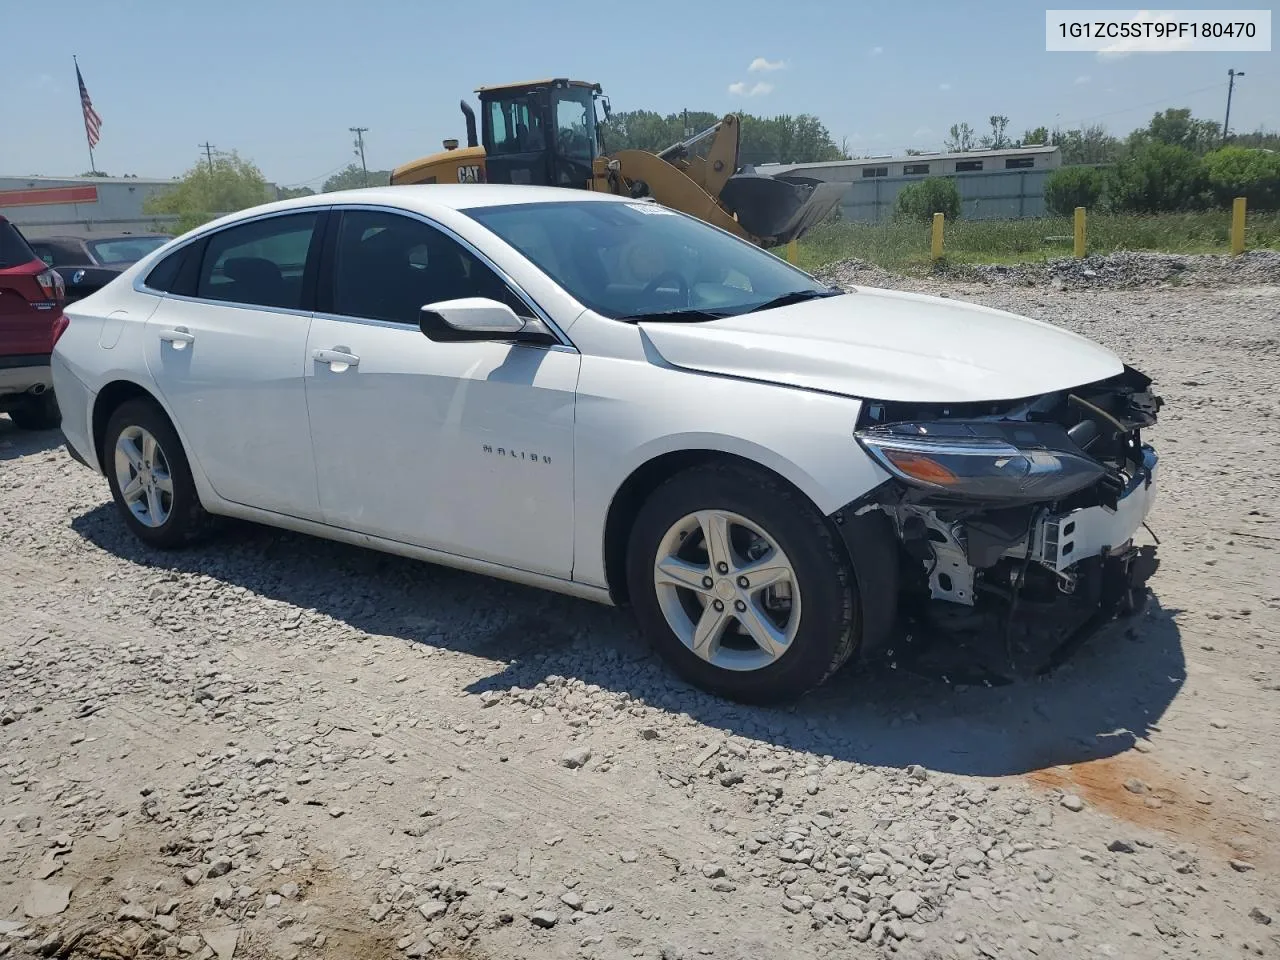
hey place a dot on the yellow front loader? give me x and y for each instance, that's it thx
(547, 133)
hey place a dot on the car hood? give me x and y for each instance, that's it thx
(889, 345)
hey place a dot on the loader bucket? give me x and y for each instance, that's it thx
(779, 210)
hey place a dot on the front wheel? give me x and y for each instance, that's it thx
(741, 585)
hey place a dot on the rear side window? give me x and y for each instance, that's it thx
(260, 263)
(164, 274)
(14, 249)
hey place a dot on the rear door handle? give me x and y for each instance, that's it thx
(338, 359)
(179, 337)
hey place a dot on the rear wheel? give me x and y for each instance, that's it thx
(740, 585)
(149, 476)
(36, 412)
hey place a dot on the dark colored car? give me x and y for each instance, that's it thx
(32, 296)
(88, 264)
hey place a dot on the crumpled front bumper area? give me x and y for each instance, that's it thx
(989, 596)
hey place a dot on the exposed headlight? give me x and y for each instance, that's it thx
(991, 460)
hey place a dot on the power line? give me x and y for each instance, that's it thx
(1152, 103)
(323, 176)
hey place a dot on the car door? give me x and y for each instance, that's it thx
(227, 352)
(461, 447)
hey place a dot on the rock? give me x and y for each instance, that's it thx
(575, 758)
(167, 923)
(289, 891)
(1240, 866)
(219, 868)
(189, 945)
(378, 912)
(46, 900)
(792, 906)
(433, 909)
(628, 856)
(222, 941)
(732, 778)
(1134, 785)
(1120, 846)
(262, 759)
(850, 913)
(136, 912)
(862, 932)
(712, 871)
(905, 904)
(1259, 916)
(917, 772)
(1072, 802)
(419, 949)
(571, 900)
(193, 876)
(896, 929)
(271, 901)
(544, 918)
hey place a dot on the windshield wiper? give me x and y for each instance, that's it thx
(674, 316)
(796, 296)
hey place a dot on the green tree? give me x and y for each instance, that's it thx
(1092, 144)
(1070, 187)
(1156, 178)
(288, 193)
(782, 139)
(1241, 172)
(997, 140)
(203, 194)
(920, 200)
(352, 177)
(95, 173)
(960, 138)
(1177, 128)
(1036, 138)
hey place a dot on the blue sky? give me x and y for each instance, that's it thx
(282, 82)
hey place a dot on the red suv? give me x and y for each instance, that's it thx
(32, 296)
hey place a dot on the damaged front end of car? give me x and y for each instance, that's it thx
(1017, 519)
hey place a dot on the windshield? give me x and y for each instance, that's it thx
(638, 259)
(125, 249)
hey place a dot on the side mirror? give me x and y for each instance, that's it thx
(476, 318)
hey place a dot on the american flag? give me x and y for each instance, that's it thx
(92, 122)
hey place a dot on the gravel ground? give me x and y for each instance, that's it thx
(278, 747)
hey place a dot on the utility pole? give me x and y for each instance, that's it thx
(360, 132)
(208, 152)
(1231, 84)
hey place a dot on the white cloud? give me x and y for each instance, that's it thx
(1083, 79)
(761, 65)
(944, 87)
(876, 51)
(740, 89)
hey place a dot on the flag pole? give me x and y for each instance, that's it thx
(93, 167)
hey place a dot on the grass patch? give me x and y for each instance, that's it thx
(905, 246)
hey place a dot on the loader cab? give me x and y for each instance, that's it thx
(543, 133)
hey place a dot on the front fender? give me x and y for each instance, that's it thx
(625, 421)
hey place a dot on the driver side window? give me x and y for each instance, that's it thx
(388, 267)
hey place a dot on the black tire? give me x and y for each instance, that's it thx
(36, 412)
(187, 520)
(828, 632)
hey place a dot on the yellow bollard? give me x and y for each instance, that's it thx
(935, 242)
(1237, 226)
(793, 251)
(1079, 247)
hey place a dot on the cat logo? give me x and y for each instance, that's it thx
(469, 174)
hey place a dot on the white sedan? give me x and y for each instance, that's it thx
(606, 398)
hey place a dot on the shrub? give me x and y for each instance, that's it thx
(1070, 187)
(1241, 172)
(1156, 178)
(922, 199)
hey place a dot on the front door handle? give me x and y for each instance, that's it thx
(338, 359)
(179, 337)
